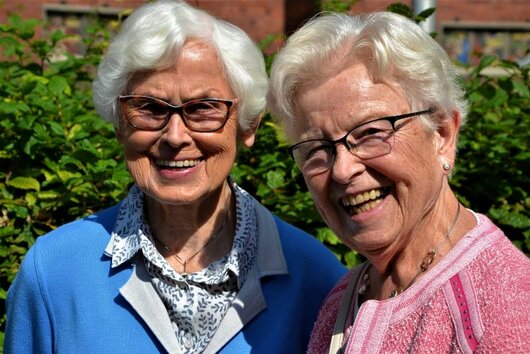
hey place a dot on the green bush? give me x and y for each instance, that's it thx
(493, 164)
(60, 161)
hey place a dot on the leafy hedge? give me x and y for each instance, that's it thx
(493, 164)
(60, 161)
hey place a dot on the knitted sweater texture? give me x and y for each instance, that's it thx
(476, 299)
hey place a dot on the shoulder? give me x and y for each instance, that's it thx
(295, 239)
(499, 260)
(305, 250)
(500, 277)
(291, 233)
(295, 243)
(72, 244)
(74, 251)
(95, 228)
(502, 270)
(311, 265)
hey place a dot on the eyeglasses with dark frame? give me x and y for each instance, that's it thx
(368, 140)
(202, 115)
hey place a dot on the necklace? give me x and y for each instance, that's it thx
(184, 261)
(424, 266)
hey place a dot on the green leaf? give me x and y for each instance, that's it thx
(275, 179)
(326, 235)
(425, 14)
(401, 9)
(66, 175)
(8, 107)
(30, 199)
(20, 211)
(57, 128)
(336, 5)
(58, 35)
(486, 61)
(59, 86)
(10, 46)
(352, 259)
(48, 195)
(75, 130)
(506, 217)
(25, 183)
(7, 231)
(500, 98)
(525, 155)
(121, 177)
(31, 146)
(521, 89)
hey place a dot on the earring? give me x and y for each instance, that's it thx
(446, 166)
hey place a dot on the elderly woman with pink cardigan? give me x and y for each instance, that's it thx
(373, 106)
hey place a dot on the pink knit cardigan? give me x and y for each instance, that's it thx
(476, 299)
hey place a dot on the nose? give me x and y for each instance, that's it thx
(346, 165)
(175, 133)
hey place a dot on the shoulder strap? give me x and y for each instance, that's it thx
(344, 310)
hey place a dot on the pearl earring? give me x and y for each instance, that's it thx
(446, 166)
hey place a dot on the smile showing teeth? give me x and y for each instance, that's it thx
(178, 164)
(364, 201)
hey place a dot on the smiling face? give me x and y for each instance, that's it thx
(174, 165)
(373, 205)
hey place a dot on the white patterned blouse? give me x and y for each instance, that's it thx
(196, 302)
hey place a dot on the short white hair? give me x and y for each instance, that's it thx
(152, 37)
(395, 50)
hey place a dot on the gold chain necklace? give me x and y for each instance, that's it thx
(184, 261)
(424, 266)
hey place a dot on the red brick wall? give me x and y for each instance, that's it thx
(484, 10)
(491, 11)
(258, 18)
(34, 8)
(466, 10)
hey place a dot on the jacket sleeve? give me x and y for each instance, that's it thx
(29, 323)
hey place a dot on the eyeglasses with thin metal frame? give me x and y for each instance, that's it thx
(202, 115)
(366, 141)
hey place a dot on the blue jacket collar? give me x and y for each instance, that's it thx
(250, 301)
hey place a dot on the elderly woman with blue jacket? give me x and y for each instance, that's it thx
(188, 262)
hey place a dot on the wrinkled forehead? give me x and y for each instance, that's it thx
(194, 51)
(330, 106)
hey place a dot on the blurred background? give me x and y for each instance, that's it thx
(467, 29)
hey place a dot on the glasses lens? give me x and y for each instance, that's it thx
(371, 140)
(146, 113)
(314, 156)
(205, 115)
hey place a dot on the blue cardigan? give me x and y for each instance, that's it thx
(67, 299)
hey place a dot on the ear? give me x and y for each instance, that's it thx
(248, 137)
(447, 137)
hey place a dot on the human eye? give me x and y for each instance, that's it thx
(205, 110)
(148, 108)
(314, 155)
(376, 130)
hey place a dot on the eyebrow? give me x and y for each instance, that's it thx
(149, 96)
(183, 101)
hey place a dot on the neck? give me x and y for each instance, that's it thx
(419, 255)
(183, 229)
